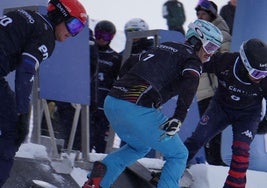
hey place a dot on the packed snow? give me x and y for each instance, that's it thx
(205, 175)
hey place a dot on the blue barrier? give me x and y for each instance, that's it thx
(65, 76)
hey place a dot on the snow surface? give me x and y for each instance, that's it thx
(205, 175)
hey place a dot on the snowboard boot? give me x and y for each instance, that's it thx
(97, 173)
(185, 182)
(155, 178)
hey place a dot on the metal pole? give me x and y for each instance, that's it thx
(85, 132)
(50, 128)
(74, 126)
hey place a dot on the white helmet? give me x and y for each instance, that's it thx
(136, 24)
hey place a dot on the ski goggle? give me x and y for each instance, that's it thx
(104, 35)
(210, 47)
(257, 74)
(74, 26)
(206, 5)
(254, 73)
(132, 29)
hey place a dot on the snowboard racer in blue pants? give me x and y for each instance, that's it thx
(132, 106)
(139, 128)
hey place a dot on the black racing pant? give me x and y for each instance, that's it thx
(213, 147)
(99, 131)
(244, 124)
(8, 135)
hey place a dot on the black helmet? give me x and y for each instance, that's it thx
(105, 30)
(254, 57)
(105, 26)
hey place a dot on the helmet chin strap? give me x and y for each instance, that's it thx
(208, 59)
(195, 42)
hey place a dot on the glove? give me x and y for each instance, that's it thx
(22, 128)
(52, 109)
(171, 127)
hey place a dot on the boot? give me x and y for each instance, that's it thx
(98, 172)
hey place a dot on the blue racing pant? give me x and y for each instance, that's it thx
(7, 130)
(139, 127)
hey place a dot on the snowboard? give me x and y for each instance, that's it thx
(186, 180)
(142, 173)
(41, 184)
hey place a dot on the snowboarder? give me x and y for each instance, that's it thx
(237, 102)
(132, 105)
(26, 39)
(109, 63)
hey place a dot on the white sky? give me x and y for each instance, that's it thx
(120, 11)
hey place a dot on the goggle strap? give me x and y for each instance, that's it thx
(244, 57)
(207, 6)
(60, 7)
(248, 66)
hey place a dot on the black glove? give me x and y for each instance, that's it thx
(22, 128)
(171, 127)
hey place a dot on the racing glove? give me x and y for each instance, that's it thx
(171, 127)
(22, 128)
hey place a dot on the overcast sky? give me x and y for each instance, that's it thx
(120, 11)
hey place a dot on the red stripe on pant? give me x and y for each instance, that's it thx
(240, 159)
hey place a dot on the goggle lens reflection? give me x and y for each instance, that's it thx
(104, 35)
(74, 26)
(210, 48)
(257, 74)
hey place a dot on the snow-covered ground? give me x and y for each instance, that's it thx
(205, 176)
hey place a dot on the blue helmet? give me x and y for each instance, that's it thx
(205, 31)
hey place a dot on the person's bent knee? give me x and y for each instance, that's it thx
(184, 152)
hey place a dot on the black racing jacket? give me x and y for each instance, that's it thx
(235, 89)
(109, 63)
(26, 39)
(174, 12)
(163, 72)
